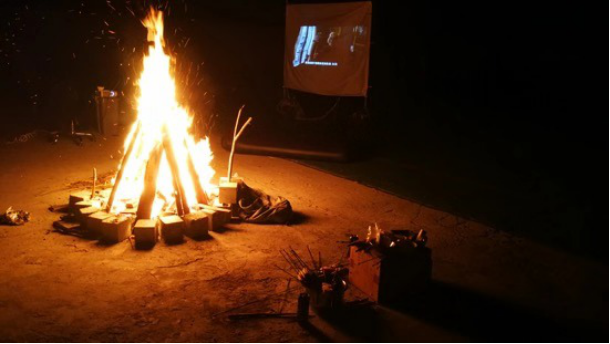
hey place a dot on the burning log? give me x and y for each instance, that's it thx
(119, 175)
(181, 204)
(202, 197)
(147, 198)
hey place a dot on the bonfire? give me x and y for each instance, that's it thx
(164, 179)
(165, 169)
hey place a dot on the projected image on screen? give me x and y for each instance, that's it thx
(329, 46)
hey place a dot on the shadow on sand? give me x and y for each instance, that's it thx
(456, 310)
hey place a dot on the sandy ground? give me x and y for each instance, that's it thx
(488, 285)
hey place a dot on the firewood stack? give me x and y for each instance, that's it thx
(95, 212)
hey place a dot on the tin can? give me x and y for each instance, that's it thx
(303, 308)
(107, 111)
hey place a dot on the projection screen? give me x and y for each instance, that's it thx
(328, 48)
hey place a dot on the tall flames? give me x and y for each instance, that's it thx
(160, 122)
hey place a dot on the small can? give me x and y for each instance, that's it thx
(303, 308)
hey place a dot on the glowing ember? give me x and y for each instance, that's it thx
(162, 125)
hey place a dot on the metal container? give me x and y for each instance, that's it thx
(303, 308)
(107, 111)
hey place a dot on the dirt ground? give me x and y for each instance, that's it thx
(488, 285)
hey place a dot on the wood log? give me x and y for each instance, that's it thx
(147, 198)
(181, 203)
(202, 197)
(125, 158)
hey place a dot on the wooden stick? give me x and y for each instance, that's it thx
(296, 255)
(241, 131)
(202, 197)
(181, 203)
(241, 109)
(313, 261)
(230, 169)
(285, 271)
(147, 198)
(285, 296)
(292, 263)
(255, 301)
(289, 261)
(320, 259)
(232, 155)
(125, 158)
(94, 181)
(297, 263)
(219, 209)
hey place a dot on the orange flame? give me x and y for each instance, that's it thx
(159, 111)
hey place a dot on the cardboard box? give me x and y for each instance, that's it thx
(392, 276)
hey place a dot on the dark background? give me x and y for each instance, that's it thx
(495, 111)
